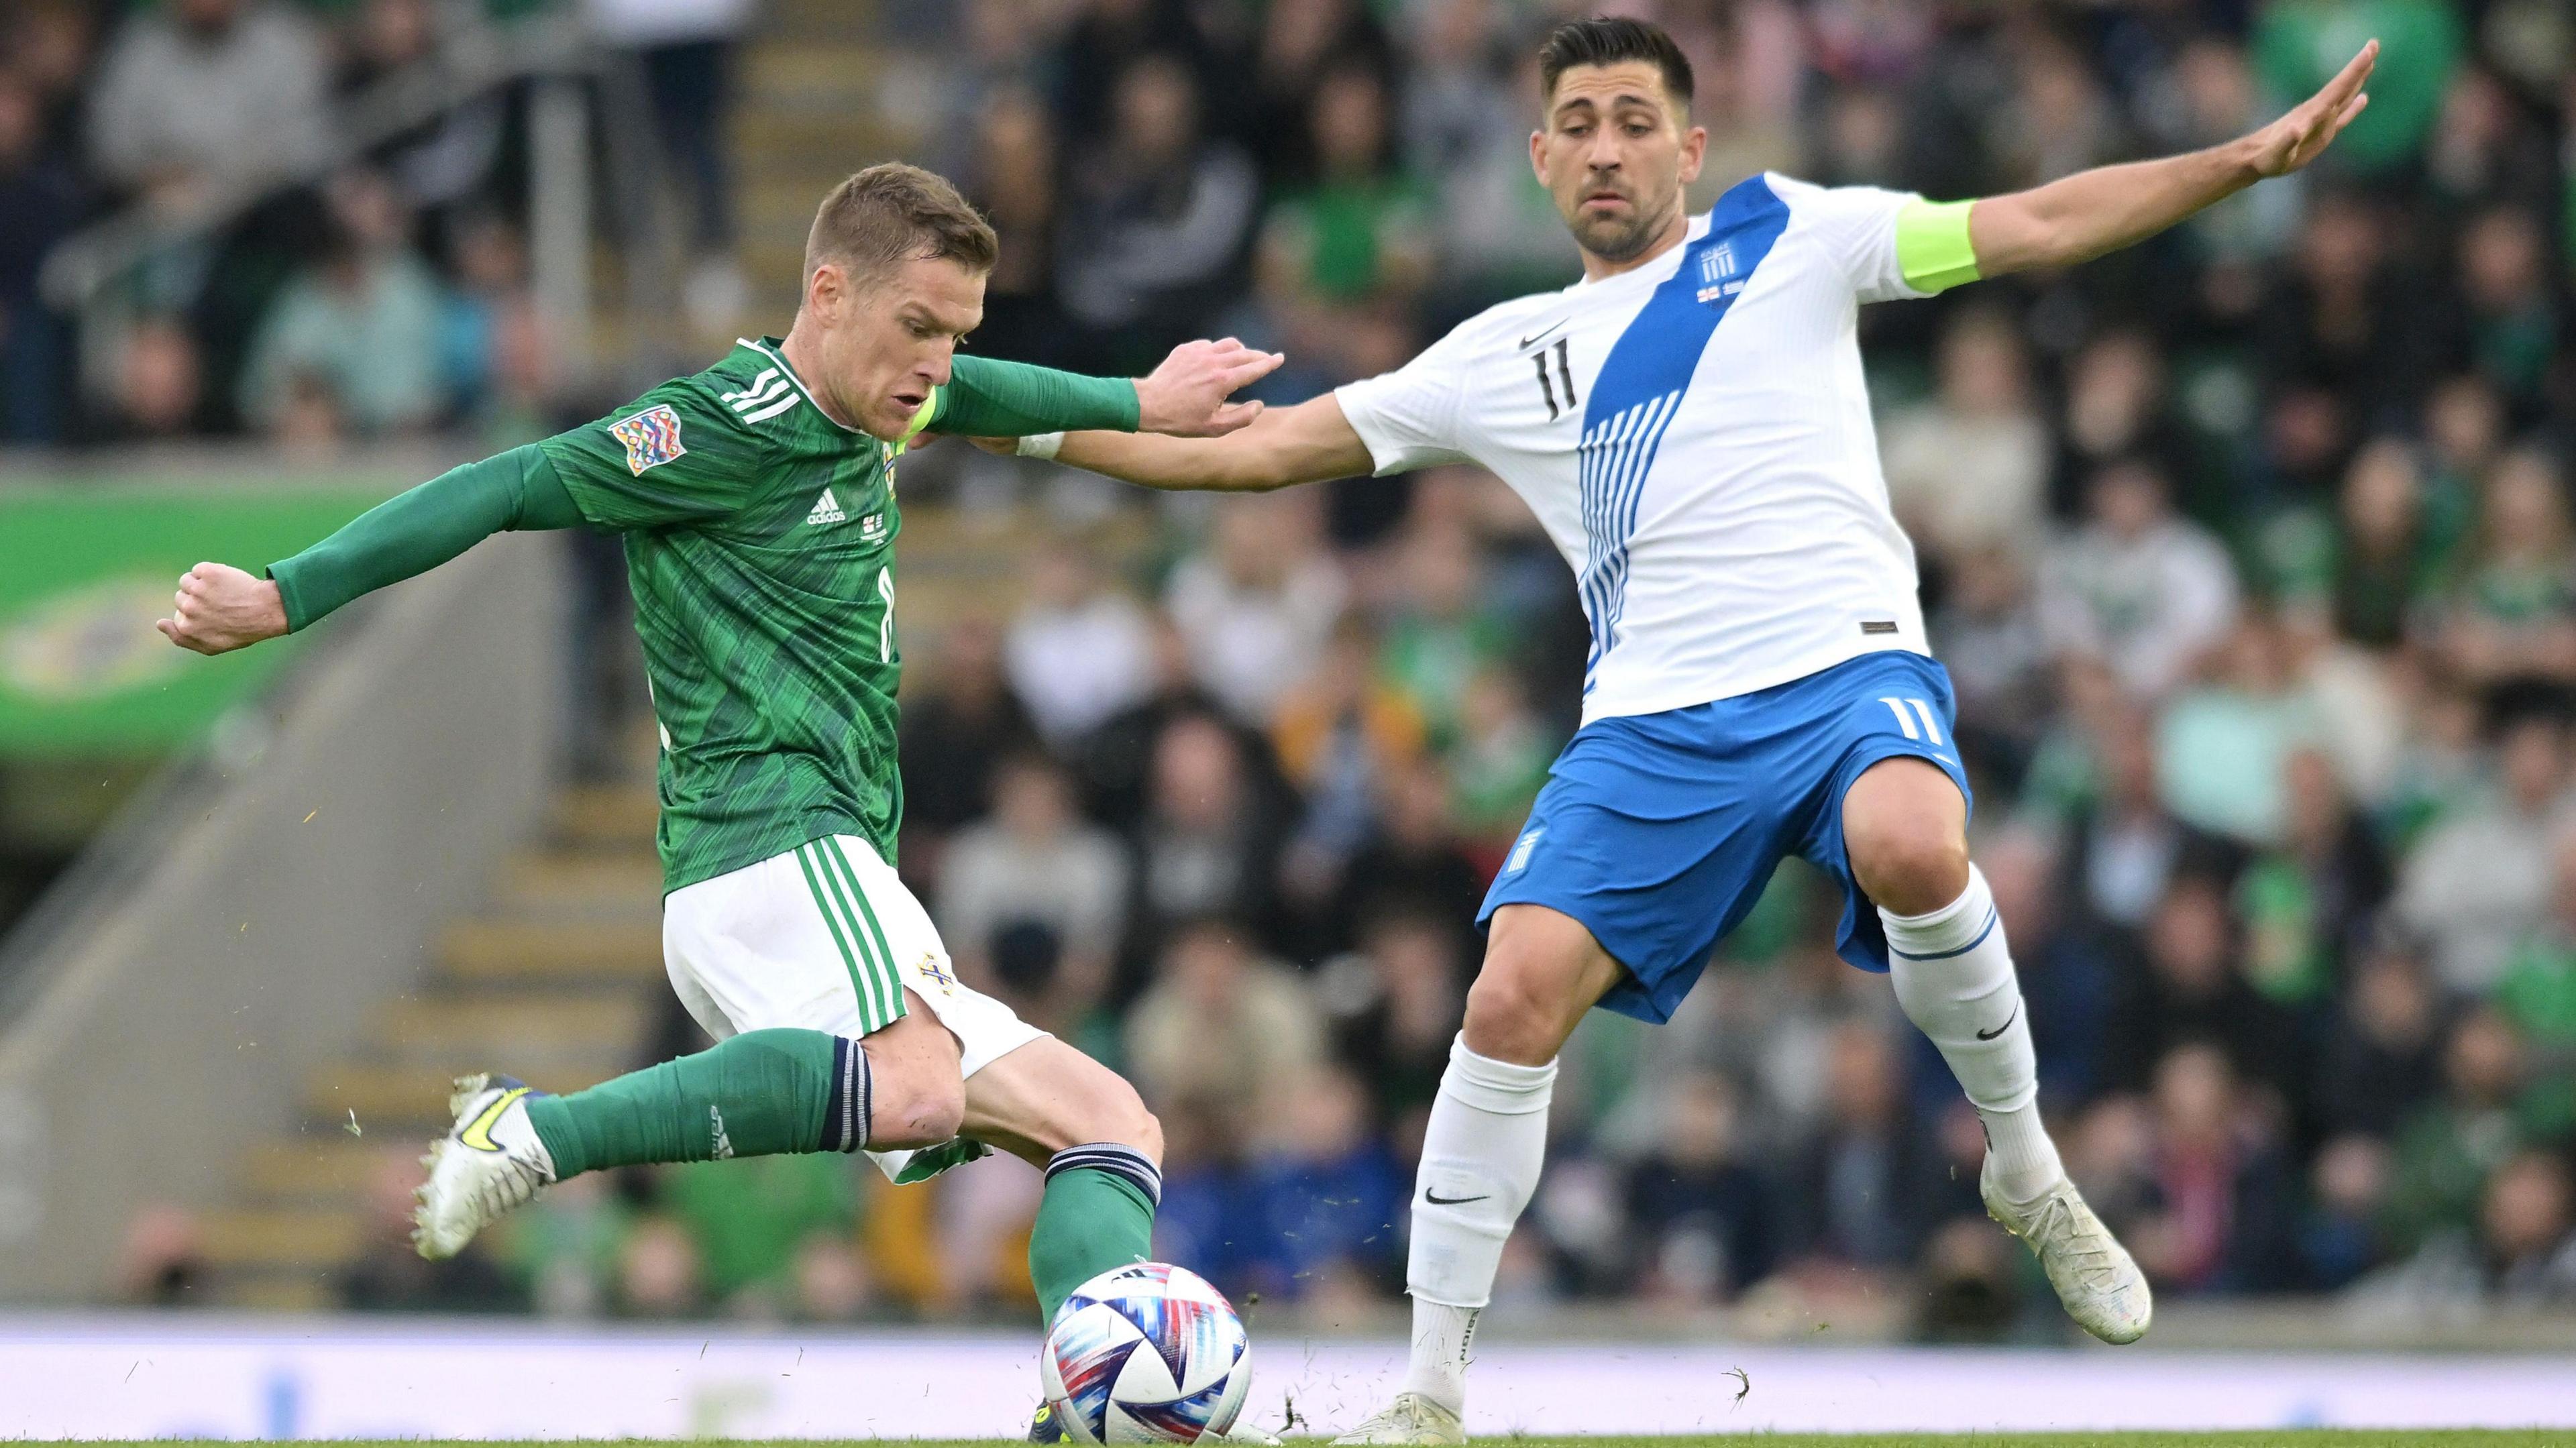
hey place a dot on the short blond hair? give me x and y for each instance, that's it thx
(893, 213)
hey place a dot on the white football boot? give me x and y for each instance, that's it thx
(1411, 1418)
(2095, 1278)
(491, 1162)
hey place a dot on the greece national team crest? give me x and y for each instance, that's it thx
(1717, 276)
(652, 438)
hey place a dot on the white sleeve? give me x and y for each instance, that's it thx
(1856, 226)
(1410, 417)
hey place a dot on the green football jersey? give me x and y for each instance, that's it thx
(760, 547)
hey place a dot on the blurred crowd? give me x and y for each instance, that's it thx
(322, 274)
(2251, 552)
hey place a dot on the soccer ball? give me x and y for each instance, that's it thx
(1145, 1354)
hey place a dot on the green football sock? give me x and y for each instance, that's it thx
(761, 1093)
(1097, 1214)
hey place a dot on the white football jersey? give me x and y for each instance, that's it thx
(1695, 437)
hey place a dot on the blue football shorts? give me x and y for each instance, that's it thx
(1659, 831)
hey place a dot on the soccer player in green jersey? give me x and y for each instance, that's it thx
(758, 508)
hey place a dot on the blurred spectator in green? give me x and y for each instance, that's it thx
(2305, 899)
(1440, 635)
(566, 1246)
(1500, 760)
(2513, 316)
(2450, 1144)
(2538, 989)
(753, 1221)
(2513, 608)
(1356, 234)
(2380, 565)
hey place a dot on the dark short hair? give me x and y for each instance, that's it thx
(1608, 40)
(893, 213)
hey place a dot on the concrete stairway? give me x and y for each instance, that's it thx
(555, 981)
(813, 108)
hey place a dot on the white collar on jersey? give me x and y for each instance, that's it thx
(790, 374)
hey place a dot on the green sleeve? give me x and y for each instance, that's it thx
(1932, 245)
(674, 457)
(422, 529)
(989, 398)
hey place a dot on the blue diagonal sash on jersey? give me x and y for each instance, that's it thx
(1641, 385)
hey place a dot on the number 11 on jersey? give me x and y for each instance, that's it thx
(1547, 386)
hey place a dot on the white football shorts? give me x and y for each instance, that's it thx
(823, 938)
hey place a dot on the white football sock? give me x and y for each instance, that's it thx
(1954, 976)
(1480, 1162)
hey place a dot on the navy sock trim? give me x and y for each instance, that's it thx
(845, 1112)
(1117, 1160)
(1992, 917)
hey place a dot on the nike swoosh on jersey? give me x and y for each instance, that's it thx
(1527, 342)
(2006, 1026)
(1437, 1200)
(478, 1132)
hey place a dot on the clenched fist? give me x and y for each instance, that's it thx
(220, 608)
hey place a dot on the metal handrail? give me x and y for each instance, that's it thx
(476, 59)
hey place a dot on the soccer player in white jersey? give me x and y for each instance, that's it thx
(1690, 424)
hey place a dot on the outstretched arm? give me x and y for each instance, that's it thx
(1185, 397)
(1307, 443)
(2099, 211)
(221, 608)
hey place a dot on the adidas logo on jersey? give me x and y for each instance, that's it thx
(827, 509)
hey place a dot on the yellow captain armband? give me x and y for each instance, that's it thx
(920, 419)
(1932, 245)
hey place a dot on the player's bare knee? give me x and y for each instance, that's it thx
(1509, 1017)
(917, 1086)
(915, 1105)
(1911, 867)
